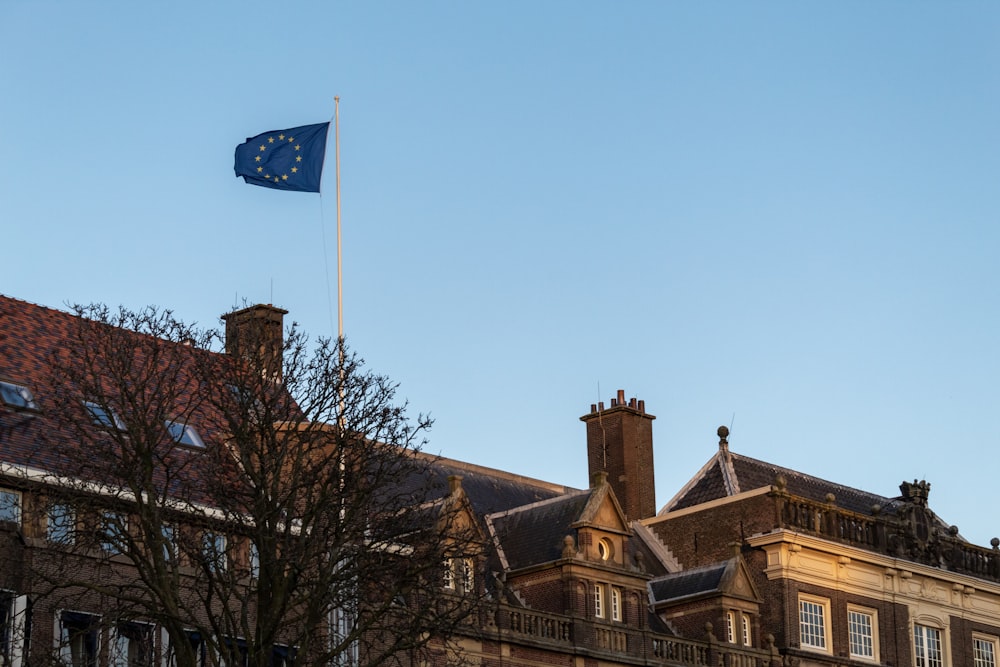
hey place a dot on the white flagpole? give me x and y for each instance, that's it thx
(340, 262)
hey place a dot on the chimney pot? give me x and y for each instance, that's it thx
(621, 397)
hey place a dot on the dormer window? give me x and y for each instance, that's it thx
(184, 434)
(17, 396)
(104, 417)
(605, 549)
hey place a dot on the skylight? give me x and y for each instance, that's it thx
(17, 396)
(105, 417)
(184, 434)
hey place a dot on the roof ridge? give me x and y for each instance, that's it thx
(539, 503)
(501, 474)
(801, 474)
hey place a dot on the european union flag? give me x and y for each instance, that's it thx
(289, 159)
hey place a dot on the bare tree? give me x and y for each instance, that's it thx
(261, 506)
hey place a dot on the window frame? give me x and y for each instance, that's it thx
(15, 504)
(823, 606)
(935, 656)
(113, 532)
(214, 551)
(120, 640)
(184, 434)
(616, 604)
(25, 398)
(993, 642)
(746, 630)
(598, 597)
(60, 528)
(872, 614)
(103, 417)
(468, 573)
(71, 625)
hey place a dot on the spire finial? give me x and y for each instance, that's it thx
(723, 434)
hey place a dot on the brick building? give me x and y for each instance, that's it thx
(749, 564)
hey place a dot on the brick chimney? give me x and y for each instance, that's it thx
(620, 444)
(257, 330)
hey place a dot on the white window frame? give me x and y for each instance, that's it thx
(449, 574)
(468, 574)
(814, 623)
(616, 603)
(856, 639)
(10, 500)
(599, 610)
(925, 653)
(14, 614)
(747, 635)
(184, 434)
(985, 649)
(731, 627)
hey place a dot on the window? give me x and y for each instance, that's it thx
(449, 575)
(79, 639)
(60, 525)
(213, 551)
(17, 396)
(253, 559)
(616, 604)
(737, 621)
(234, 653)
(184, 434)
(198, 648)
(104, 417)
(468, 575)
(813, 613)
(927, 650)
(861, 636)
(282, 656)
(460, 572)
(169, 534)
(131, 645)
(605, 549)
(13, 614)
(984, 651)
(113, 533)
(599, 600)
(10, 506)
(343, 622)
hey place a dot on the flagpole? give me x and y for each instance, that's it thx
(340, 262)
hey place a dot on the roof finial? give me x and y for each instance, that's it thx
(723, 434)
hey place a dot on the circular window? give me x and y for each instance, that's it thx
(604, 549)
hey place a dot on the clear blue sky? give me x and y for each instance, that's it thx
(780, 215)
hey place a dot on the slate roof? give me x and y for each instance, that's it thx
(533, 534)
(728, 474)
(689, 583)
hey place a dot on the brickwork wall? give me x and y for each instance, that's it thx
(703, 538)
(961, 638)
(781, 605)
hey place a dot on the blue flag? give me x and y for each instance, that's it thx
(289, 159)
